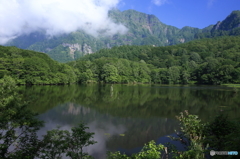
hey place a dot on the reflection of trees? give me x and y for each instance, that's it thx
(43, 98)
(141, 109)
(138, 130)
(141, 101)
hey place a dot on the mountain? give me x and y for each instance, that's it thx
(143, 29)
(229, 26)
(231, 22)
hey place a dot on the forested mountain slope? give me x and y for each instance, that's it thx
(143, 29)
(205, 61)
(30, 67)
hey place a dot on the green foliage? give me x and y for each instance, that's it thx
(28, 67)
(191, 134)
(116, 155)
(58, 142)
(220, 134)
(206, 61)
(54, 144)
(223, 134)
(113, 70)
(79, 139)
(109, 73)
(18, 125)
(7, 88)
(150, 151)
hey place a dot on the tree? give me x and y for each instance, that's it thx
(110, 74)
(150, 151)
(185, 76)
(155, 77)
(195, 57)
(174, 74)
(77, 140)
(164, 77)
(18, 125)
(54, 144)
(135, 70)
(225, 73)
(191, 135)
(144, 73)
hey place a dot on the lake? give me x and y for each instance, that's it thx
(125, 117)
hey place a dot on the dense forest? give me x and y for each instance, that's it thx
(205, 61)
(30, 67)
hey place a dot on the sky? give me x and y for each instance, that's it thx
(19, 17)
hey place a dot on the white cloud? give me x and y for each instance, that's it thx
(121, 4)
(19, 17)
(210, 3)
(159, 2)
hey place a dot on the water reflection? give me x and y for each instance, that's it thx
(125, 117)
(111, 133)
(76, 110)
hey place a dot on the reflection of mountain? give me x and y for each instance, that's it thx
(107, 128)
(74, 110)
(97, 150)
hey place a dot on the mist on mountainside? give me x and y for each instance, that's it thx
(56, 17)
(101, 25)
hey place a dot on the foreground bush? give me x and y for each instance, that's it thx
(149, 151)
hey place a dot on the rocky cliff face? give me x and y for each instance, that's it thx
(72, 48)
(216, 27)
(85, 49)
(182, 40)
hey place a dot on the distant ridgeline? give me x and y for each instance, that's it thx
(229, 26)
(143, 29)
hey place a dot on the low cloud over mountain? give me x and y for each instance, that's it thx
(18, 17)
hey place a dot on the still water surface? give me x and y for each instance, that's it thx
(125, 117)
